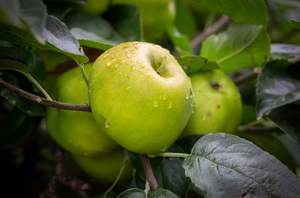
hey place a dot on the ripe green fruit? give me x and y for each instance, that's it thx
(157, 15)
(94, 7)
(217, 105)
(105, 168)
(140, 96)
(76, 131)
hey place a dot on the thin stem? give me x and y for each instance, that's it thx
(81, 66)
(43, 101)
(245, 78)
(116, 180)
(148, 171)
(184, 155)
(212, 29)
(39, 87)
(245, 127)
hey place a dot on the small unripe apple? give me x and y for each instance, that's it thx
(94, 7)
(217, 104)
(105, 168)
(76, 131)
(140, 96)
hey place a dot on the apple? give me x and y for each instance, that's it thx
(140, 96)
(157, 15)
(105, 168)
(94, 7)
(217, 104)
(76, 131)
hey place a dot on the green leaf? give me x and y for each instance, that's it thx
(173, 175)
(161, 193)
(15, 66)
(295, 23)
(126, 22)
(14, 127)
(109, 195)
(248, 114)
(192, 64)
(138, 165)
(93, 31)
(133, 193)
(57, 37)
(242, 11)
(60, 10)
(9, 51)
(278, 84)
(34, 14)
(224, 165)
(180, 41)
(8, 10)
(287, 118)
(187, 143)
(242, 45)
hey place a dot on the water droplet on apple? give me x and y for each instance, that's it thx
(148, 68)
(165, 97)
(132, 69)
(148, 76)
(155, 103)
(135, 78)
(143, 65)
(116, 65)
(163, 87)
(133, 51)
(121, 72)
(126, 74)
(106, 55)
(141, 71)
(123, 48)
(187, 96)
(127, 88)
(170, 105)
(122, 62)
(128, 55)
(106, 124)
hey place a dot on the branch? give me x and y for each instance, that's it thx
(255, 129)
(148, 171)
(81, 187)
(212, 29)
(44, 101)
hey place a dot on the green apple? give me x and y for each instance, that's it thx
(76, 131)
(105, 168)
(217, 104)
(94, 7)
(140, 96)
(157, 15)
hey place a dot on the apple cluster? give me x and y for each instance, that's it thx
(141, 100)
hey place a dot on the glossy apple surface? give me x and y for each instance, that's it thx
(76, 131)
(94, 7)
(140, 96)
(105, 168)
(217, 104)
(157, 15)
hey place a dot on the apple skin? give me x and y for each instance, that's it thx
(105, 168)
(143, 111)
(94, 7)
(217, 104)
(157, 15)
(76, 131)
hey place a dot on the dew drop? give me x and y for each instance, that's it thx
(155, 103)
(110, 62)
(148, 76)
(122, 62)
(123, 48)
(127, 88)
(106, 55)
(163, 87)
(170, 105)
(128, 55)
(132, 68)
(126, 74)
(133, 51)
(135, 78)
(148, 68)
(143, 65)
(165, 97)
(121, 72)
(116, 65)
(187, 96)
(106, 124)
(141, 71)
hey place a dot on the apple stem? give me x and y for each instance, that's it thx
(245, 127)
(116, 180)
(184, 155)
(81, 66)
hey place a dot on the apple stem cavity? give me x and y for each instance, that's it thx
(215, 86)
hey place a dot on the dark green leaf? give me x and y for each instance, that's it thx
(34, 14)
(60, 10)
(58, 38)
(173, 175)
(248, 114)
(180, 41)
(242, 45)
(126, 21)
(224, 165)
(287, 118)
(286, 49)
(295, 23)
(161, 193)
(138, 165)
(84, 2)
(11, 52)
(133, 193)
(109, 195)
(15, 66)
(278, 84)
(9, 10)
(192, 64)
(93, 31)
(14, 127)
(27, 106)
(242, 11)
(188, 142)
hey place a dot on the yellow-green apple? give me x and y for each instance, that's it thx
(76, 131)
(105, 168)
(94, 7)
(217, 104)
(157, 15)
(140, 96)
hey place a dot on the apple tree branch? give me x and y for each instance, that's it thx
(148, 171)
